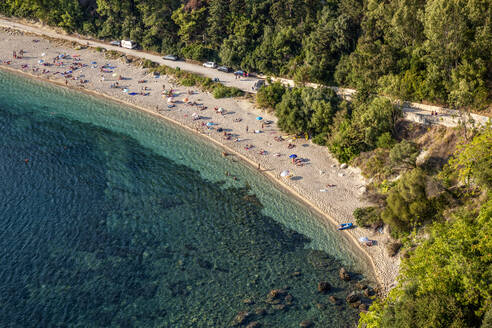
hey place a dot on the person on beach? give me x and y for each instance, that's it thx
(246, 128)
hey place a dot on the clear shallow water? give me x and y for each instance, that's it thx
(120, 219)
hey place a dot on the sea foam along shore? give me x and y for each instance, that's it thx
(309, 182)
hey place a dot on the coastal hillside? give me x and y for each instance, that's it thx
(436, 51)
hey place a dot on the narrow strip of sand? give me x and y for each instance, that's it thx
(317, 179)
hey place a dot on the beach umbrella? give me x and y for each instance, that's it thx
(210, 124)
(94, 63)
(259, 118)
(284, 173)
(40, 61)
(293, 156)
(43, 54)
(114, 74)
(220, 110)
(170, 99)
(194, 114)
(185, 100)
(363, 239)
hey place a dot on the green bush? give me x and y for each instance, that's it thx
(270, 95)
(368, 217)
(198, 52)
(221, 91)
(188, 82)
(403, 155)
(407, 206)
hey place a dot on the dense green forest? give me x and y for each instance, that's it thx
(439, 208)
(433, 50)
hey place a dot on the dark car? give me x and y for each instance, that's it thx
(224, 69)
(258, 84)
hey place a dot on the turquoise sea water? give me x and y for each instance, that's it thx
(113, 218)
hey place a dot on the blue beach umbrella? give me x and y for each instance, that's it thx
(259, 118)
(94, 63)
(210, 124)
(293, 156)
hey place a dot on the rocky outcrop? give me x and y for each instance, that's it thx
(352, 297)
(324, 287)
(344, 275)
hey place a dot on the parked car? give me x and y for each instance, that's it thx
(258, 84)
(210, 65)
(170, 57)
(129, 44)
(239, 73)
(224, 69)
(115, 43)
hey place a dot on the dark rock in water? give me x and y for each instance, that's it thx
(278, 307)
(319, 259)
(248, 301)
(363, 307)
(344, 275)
(333, 299)
(204, 264)
(361, 285)
(324, 287)
(368, 292)
(289, 299)
(352, 297)
(275, 294)
(190, 247)
(241, 318)
(254, 324)
(260, 311)
(356, 305)
(306, 324)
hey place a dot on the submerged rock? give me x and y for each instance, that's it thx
(324, 287)
(352, 297)
(241, 318)
(274, 295)
(344, 275)
(260, 311)
(248, 301)
(333, 299)
(306, 324)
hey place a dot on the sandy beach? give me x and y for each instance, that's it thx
(317, 178)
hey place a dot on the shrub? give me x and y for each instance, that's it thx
(188, 82)
(270, 95)
(407, 206)
(393, 247)
(403, 155)
(368, 217)
(221, 91)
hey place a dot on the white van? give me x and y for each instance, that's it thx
(128, 44)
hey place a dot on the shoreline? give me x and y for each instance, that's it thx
(376, 263)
